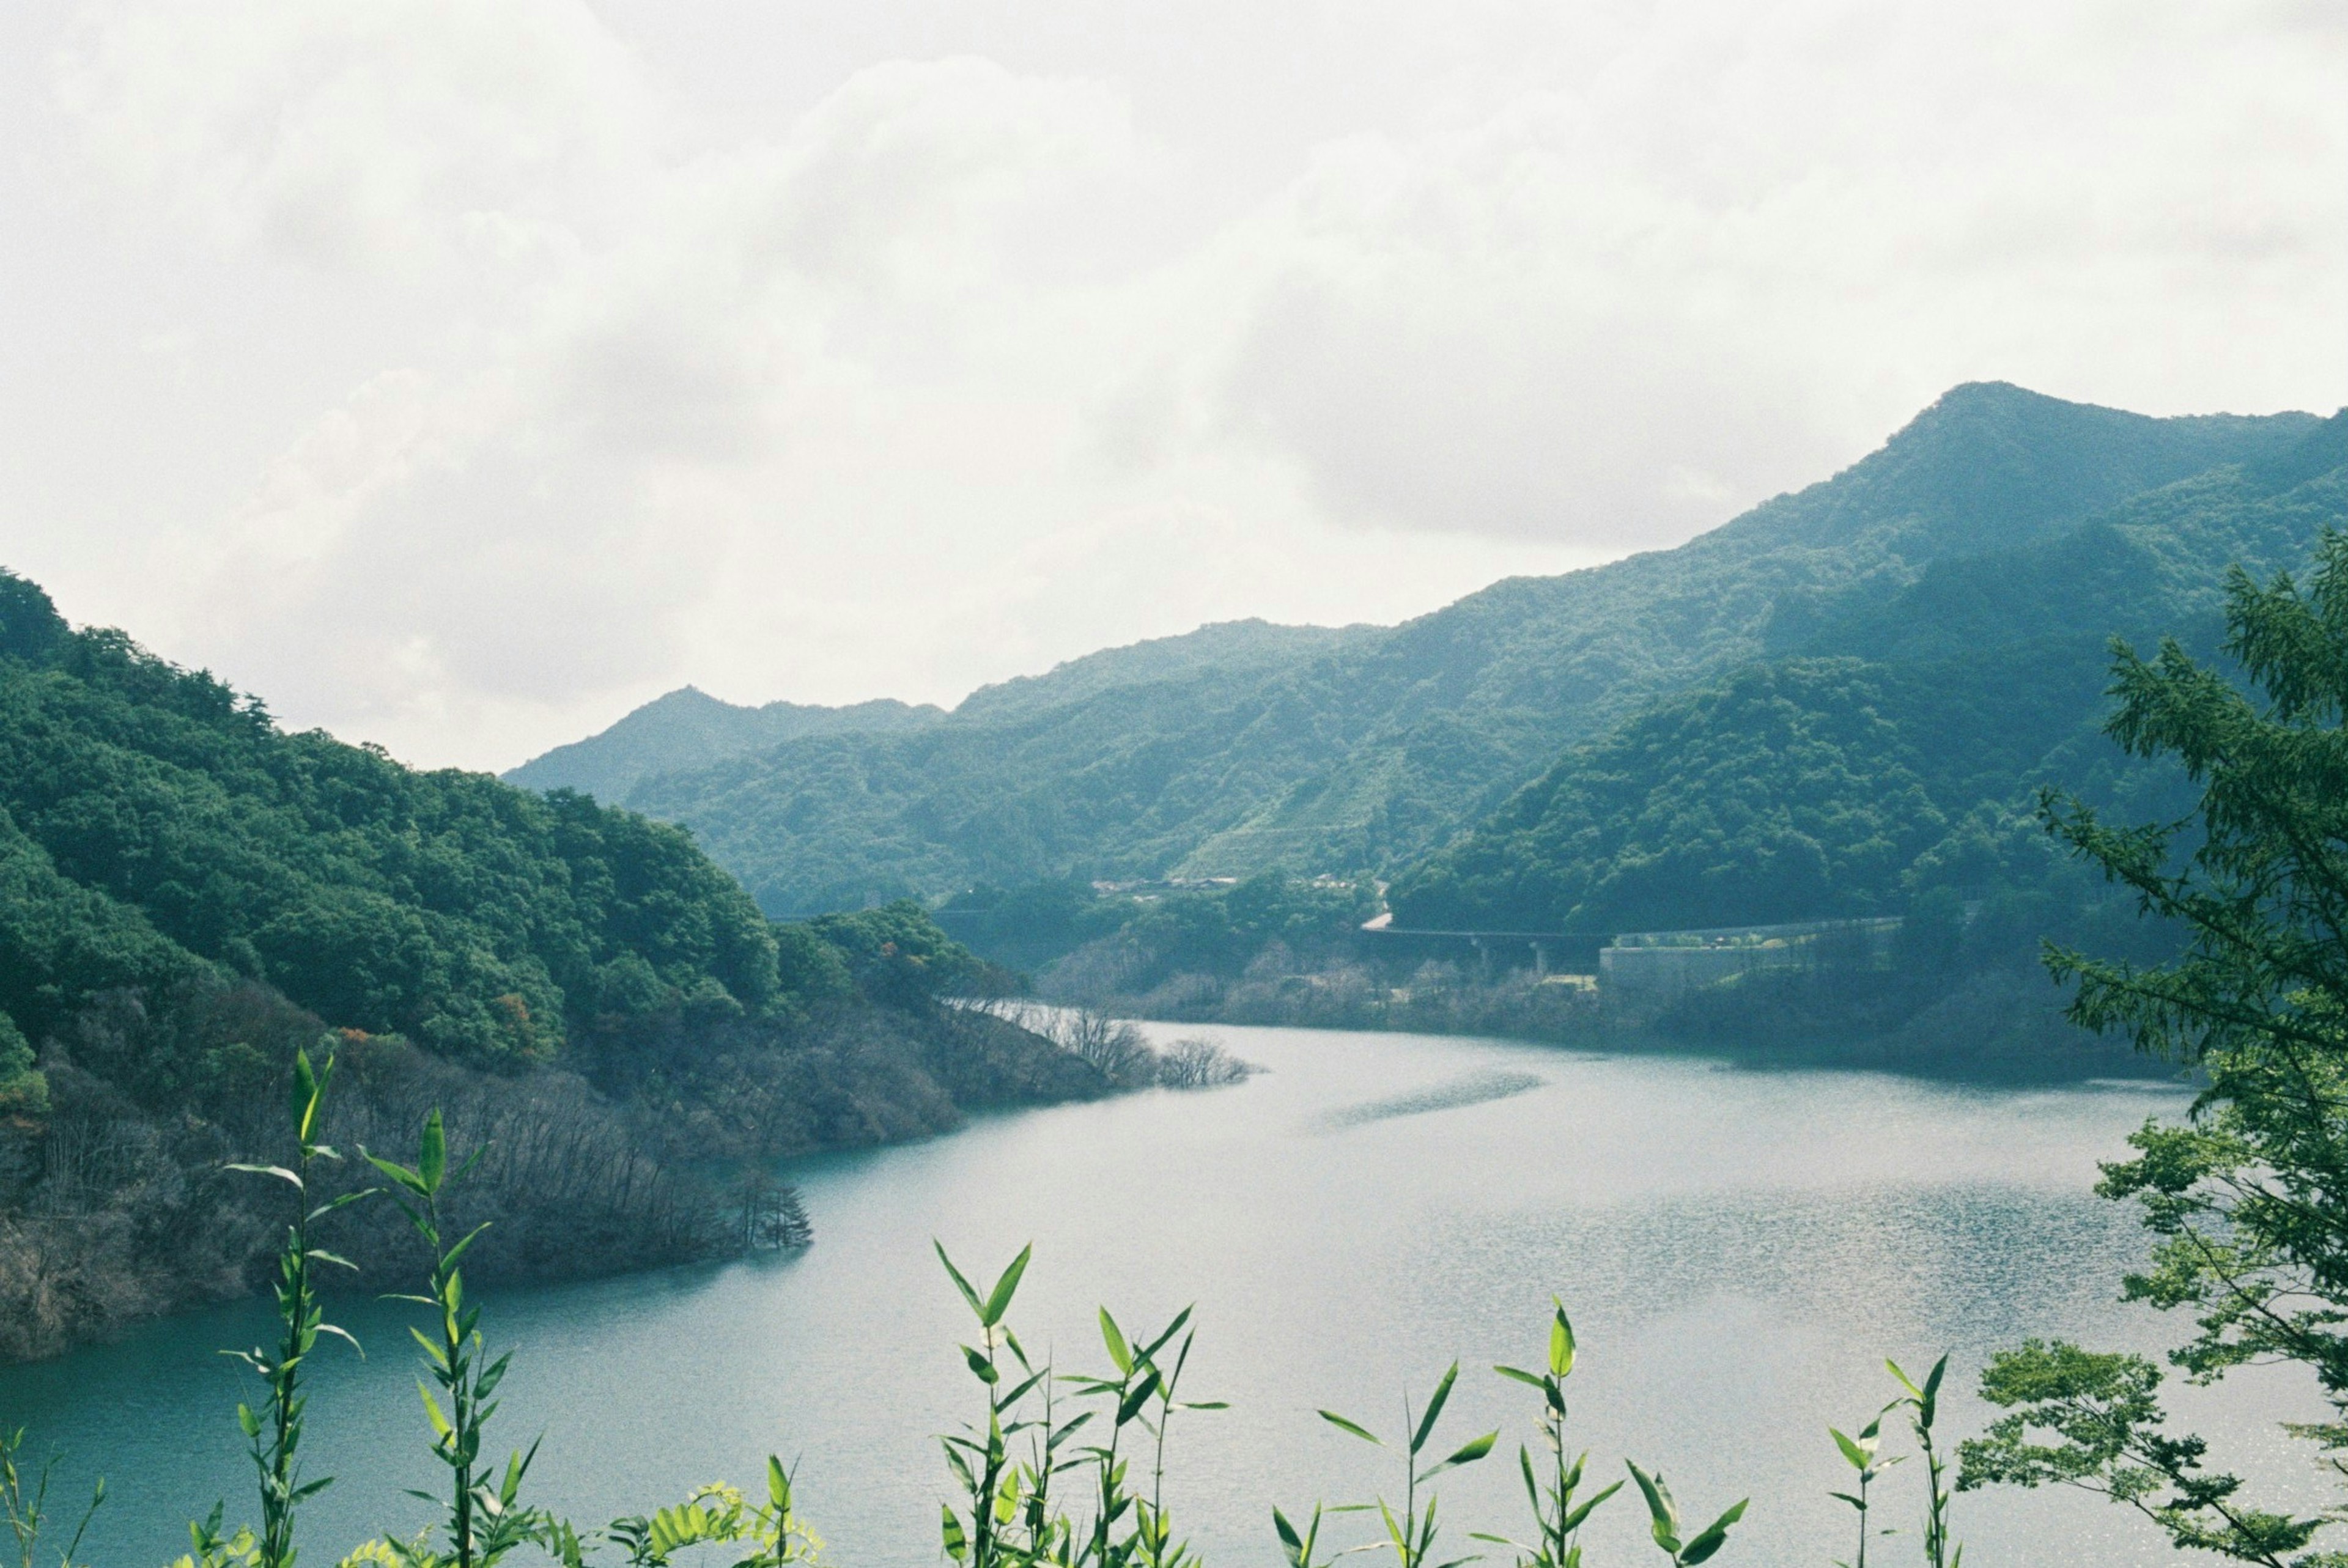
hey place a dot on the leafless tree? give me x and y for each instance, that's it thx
(1196, 1063)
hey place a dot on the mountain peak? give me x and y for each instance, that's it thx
(1990, 466)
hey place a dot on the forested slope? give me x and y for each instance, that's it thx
(689, 729)
(1368, 751)
(1897, 747)
(189, 893)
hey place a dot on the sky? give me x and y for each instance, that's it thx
(457, 375)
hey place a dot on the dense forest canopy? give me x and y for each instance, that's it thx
(189, 896)
(1239, 750)
(162, 839)
(155, 825)
(1899, 745)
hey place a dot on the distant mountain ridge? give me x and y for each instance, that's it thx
(689, 729)
(1370, 748)
(1896, 749)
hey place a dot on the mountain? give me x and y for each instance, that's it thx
(690, 729)
(1367, 749)
(188, 895)
(1898, 745)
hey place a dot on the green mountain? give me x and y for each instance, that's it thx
(188, 895)
(690, 729)
(1896, 744)
(1368, 749)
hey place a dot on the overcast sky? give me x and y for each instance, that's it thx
(458, 374)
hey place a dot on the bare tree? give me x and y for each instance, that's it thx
(1119, 1051)
(1199, 1064)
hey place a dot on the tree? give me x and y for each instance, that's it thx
(2247, 1196)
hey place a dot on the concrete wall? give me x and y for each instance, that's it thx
(1660, 974)
(1654, 968)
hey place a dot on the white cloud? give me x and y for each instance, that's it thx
(829, 366)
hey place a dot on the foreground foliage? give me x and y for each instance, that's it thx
(2246, 1197)
(1058, 1469)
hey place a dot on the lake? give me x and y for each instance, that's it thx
(1739, 1250)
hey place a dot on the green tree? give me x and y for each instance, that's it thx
(2247, 1196)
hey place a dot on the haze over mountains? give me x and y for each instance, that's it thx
(687, 729)
(1936, 612)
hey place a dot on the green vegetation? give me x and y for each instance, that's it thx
(2244, 1200)
(1896, 749)
(1036, 1483)
(1246, 748)
(690, 729)
(1012, 1469)
(1131, 940)
(156, 830)
(2244, 1197)
(1841, 704)
(1558, 1511)
(189, 895)
(275, 1435)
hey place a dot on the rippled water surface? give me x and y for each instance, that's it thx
(1739, 1250)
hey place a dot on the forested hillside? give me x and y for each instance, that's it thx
(1366, 750)
(189, 893)
(690, 729)
(1898, 746)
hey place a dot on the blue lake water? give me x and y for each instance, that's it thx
(1739, 1250)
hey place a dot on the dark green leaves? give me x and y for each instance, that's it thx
(1666, 1528)
(1466, 1453)
(998, 1300)
(305, 1092)
(1924, 1398)
(988, 1309)
(2102, 1433)
(432, 1153)
(1434, 1407)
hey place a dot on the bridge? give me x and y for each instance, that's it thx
(1575, 951)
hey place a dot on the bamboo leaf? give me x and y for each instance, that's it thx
(1469, 1453)
(960, 1284)
(1560, 1343)
(1136, 1397)
(305, 1095)
(1664, 1512)
(1335, 1419)
(1714, 1537)
(448, 1261)
(1120, 1354)
(344, 1335)
(432, 1152)
(1165, 1334)
(998, 1300)
(1434, 1407)
(398, 1173)
(1573, 1519)
(280, 1172)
